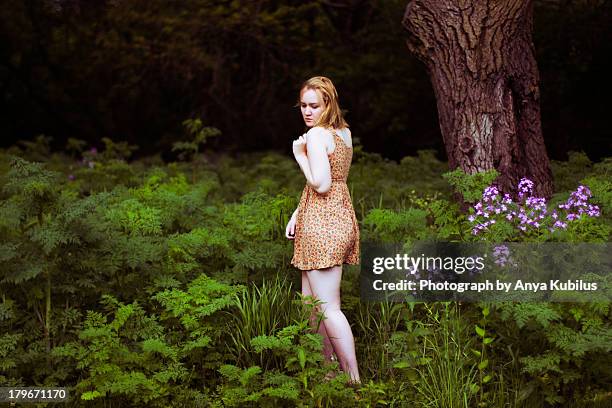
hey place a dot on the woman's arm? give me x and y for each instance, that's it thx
(315, 164)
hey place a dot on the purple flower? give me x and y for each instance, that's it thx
(593, 210)
(525, 187)
(71, 177)
(490, 193)
(531, 212)
(501, 249)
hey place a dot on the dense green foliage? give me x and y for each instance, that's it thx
(146, 284)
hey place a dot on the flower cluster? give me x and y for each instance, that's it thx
(501, 253)
(525, 187)
(530, 213)
(578, 202)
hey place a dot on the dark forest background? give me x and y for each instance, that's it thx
(133, 70)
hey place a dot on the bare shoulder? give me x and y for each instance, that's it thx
(346, 136)
(319, 134)
(318, 131)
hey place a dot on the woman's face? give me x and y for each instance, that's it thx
(311, 107)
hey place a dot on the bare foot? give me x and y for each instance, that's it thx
(354, 384)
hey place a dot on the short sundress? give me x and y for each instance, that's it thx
(326, 229)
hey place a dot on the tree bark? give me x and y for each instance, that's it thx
(481, 60)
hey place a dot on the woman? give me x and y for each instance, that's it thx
(324, 225)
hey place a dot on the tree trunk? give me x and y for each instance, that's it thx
(481, 61)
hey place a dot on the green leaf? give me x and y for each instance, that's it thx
(302, 357)
(483, 364)
(486, 379)
(89, 395)
(480, 331)
(487, 340)
(401, 364)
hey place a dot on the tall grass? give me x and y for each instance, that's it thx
(449, 374)
(261, 310)
(377, 322)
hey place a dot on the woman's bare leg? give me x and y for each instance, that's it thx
(328, 349)
(325, 285)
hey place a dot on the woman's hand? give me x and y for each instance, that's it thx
(299, 146)
(290, 229)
